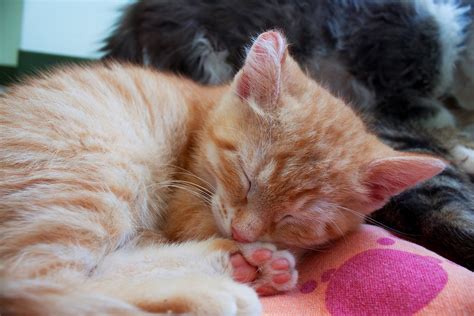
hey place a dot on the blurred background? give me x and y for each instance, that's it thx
(38, 33)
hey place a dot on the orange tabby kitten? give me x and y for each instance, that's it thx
(100, 166)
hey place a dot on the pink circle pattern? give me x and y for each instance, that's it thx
(308, 286)
(385, 241)
(384, 282)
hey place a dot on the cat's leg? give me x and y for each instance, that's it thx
(139, 278)
(196, 277)
(192, 277)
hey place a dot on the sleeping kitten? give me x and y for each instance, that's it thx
(102, 165)
(365, 51)
(391, 59)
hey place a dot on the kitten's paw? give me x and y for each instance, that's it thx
(231, 299)
(268, 270)
(198, 295)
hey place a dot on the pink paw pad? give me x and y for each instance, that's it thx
(274, 270)
(280, 264)
(261, 255)
(242, 270)
(281, 278)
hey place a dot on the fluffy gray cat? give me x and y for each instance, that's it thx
(364, 50)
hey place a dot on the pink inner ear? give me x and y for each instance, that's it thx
(261, 73)
(390, 176)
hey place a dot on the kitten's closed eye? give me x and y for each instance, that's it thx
(285, 218)
(247, 184)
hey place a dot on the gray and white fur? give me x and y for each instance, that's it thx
(362, 50)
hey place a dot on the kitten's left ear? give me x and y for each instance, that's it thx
(387, 177)
(260, 78)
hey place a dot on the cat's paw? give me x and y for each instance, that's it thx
(199, 295)
(267, 269)
(464, 158)
(229, 298)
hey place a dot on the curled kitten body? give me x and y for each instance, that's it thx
(102, 166)
(392, 60)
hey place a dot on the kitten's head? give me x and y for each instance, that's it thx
(291, 163)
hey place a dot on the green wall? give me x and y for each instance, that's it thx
(10, 31)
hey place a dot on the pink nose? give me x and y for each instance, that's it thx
(238, 236)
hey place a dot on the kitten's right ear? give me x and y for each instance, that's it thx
(260, 77)
(387, 177)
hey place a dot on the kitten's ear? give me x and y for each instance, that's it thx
(260, 78)
(388, 177)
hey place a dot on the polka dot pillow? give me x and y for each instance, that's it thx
(372, 272)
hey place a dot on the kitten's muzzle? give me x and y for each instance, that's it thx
(238, 236)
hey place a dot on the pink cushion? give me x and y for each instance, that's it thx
(372, 272)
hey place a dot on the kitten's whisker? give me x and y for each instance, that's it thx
(203, 189)
(338, 228)
(189, 185)
(185, 171)
(194, 188)
(373, 221)
(313, 248)
(189, 189)
(199, 196)
(211, 187)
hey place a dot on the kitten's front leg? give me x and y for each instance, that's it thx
(266, 269)
(192, 277)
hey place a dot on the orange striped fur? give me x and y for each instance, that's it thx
(95, 158)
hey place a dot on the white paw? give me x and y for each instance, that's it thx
(464, 158)
(242, 300)
(198, 295)
(274, 270)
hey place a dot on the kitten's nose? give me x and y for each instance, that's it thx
(237, 236)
